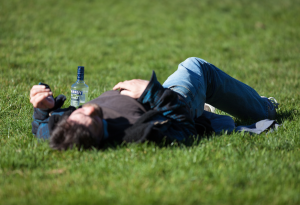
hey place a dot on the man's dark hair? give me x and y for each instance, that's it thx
(68, 135)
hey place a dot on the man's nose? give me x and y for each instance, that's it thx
(89, 110)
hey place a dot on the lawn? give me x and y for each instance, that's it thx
(257, 42)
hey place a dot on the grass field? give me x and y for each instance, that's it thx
(257, 42)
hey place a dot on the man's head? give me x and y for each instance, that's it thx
(83, 128)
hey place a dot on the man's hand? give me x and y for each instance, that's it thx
(132, 88)
(41, 97)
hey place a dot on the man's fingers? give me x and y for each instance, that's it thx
(38, 86)
(116, 87)
(122, 85)
(35, 101)
(133, 88)
(126, 92)
(38, 97)
(38, 89)
(41, 92)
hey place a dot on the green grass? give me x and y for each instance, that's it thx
(257, 42)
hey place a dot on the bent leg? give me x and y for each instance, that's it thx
(199, 82)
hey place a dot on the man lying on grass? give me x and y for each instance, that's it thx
(139, 110)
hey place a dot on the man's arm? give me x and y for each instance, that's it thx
(42, 100)
(174, 120)
(43, 103)
(181, 126)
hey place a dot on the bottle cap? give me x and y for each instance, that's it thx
(80, 73)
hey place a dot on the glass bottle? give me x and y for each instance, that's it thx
(79, 90)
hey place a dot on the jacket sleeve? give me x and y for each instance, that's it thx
(40, 121)
(174, 121)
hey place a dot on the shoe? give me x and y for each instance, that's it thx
(272, 106)
(209, 108)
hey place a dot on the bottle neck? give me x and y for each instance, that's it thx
(80, 81)
(80, 76)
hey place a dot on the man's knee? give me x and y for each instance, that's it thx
(193, 61)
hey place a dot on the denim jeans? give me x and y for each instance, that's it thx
(200, 82)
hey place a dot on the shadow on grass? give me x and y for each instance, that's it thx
(286, 115)
(283, 115)
(164, 143)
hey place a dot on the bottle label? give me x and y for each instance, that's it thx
(77, 97)
(75, 101)
(76, 92)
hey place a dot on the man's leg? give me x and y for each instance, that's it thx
(199, 82)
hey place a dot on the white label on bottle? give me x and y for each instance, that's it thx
(76, 92)
(75, 101)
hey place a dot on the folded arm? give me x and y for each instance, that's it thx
(181, 126)
(172, 118)
(43, 103)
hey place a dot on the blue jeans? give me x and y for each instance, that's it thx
(200, 82)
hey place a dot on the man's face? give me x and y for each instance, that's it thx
(89, 116)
